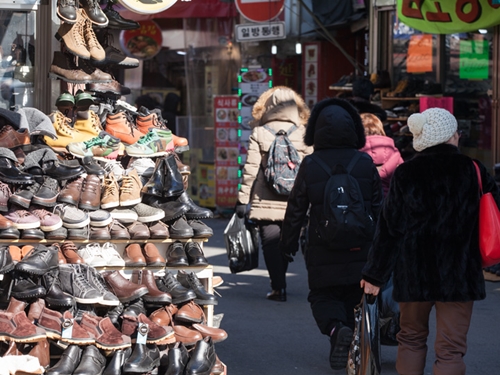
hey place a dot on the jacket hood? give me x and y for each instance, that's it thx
(380, 147)
(334, 123)
(281, 106)
(37, 122)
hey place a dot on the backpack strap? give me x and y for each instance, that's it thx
(328, 169)
(290, 131)
(353, 162)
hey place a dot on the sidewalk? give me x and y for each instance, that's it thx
(281, 338)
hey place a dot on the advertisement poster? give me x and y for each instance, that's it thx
(419, 59)
(310, 59)
(445, 102)
(143, 43)
(474, 59)
(227, 154)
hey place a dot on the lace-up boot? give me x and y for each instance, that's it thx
(96, 280)
(94, 47)
(74, 281)
(121, 126)
(73, 36)
(65, 133)
(47, 194)
(66, 11)
(191, 281)
(88, 123)
(170, 285)
(55, 296)
(130, 191)
(110, 196)
(22, 197)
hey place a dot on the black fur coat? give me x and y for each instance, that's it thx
(427, 233)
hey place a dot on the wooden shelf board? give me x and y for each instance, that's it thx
(167, 240)
(396, 98)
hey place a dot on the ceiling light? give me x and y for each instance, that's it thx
(298, 48)
(274, 49)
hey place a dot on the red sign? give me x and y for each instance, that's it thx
(260, 10)
(144, 42)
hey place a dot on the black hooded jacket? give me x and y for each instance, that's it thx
(336, 132)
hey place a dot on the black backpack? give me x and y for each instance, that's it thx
(283, 162)
(346, 224)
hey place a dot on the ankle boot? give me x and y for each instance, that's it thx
(92, 362)
(195, 211)
(144, 358)
(41, 351)
(155, 184)
(115, 365)
(146, 278)
(178, 358)
(155, 333)
(16, 305)
(55, 296)
(172, 183)
(202, 357)
(68, 362)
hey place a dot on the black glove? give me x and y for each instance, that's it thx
(241, 210)
(286, 253)
(287, 257)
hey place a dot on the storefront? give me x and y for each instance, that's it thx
(441, 54)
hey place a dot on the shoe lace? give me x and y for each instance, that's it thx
(127, 184)
(109, 187)
(95, 122)
(68, 3)
(4, 188)
(80, 278)
(145, 139)
(96, 141)
(78, 32)
(89, 32)
(63, 125)
(130, 122)
(40, 212)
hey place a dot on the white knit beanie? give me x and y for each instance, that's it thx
(431, 127)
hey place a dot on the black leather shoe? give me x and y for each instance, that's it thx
(195, 212)
(191, 281)
(195, 254)
(277, 295)
(90, 165)
(154, 186)
(9, 173)
(115, 365)
(55, 296)
(178, 358)
(68, 362)
(10, 233)
(25, 288)
(60, 171)
(144, 358)
(66, 10)
(173, 210)
(92, 362)
(32, 234)
(118, 22)
(40, 260)
(200, 229)
(6, 263)
(47, 193)
(202, 358)
(169, 284)
(175, 256)
(179, 229)
(135, 308)
(173, 186)
(94, 12)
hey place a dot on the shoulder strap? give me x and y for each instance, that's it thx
(271, 130)
(353, 162)
(321, 163)
(478, 172)
(290, 131)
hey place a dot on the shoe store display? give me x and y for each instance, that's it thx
(156, 142)
(46, 195)
(88, 124)
(9, 173)
(23, 196)
(130, 190)
(111, 192)
(107, 337)
(40, 259)
(144, 358)
(176, 256)
(121, 126)
(152, 256)
(202, 358)
(73, 36)
(96, 281)
(138, 231)
(191, 281)
(91, 362)
(102, 147)
(180, 229)
(91, 166)
(118, 22)
(133, 256)
(195, 254)
(74, 281)
(72, 217)
(110, 253)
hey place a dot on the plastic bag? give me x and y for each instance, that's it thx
(388, 315)
(364, 353)
(242, 244)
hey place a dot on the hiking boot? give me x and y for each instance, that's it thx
(97, 281)
(106, 335)
(48, 220)
(63, 67)
(110, 195)
(11, 138)
(191, 281)
(40, 259)
(47, 194)
(55, 296)
(340, 342)
(92, 255)
(130, 191)
(23, 197)
(70, 252)
(156, 142)
(138, 231)
(153, 119)
(91, 193)
(66, 11)
(72, 217)
(102, 147)
(118, 231)
(124, 289)
(71, 192)
(73, 36)
(170, 285)
(22, 219)
(88, 124)
(118, 22)
(91, 166)
(65, 133)
(100, 218)
(92, 10)
(158, 230)
(5, 195)
(74, 281)
(121, 126)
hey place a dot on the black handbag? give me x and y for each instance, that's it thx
(242, 244)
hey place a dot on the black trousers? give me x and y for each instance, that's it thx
(334, 304)
(270, 233)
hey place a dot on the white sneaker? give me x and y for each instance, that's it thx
(92, 255)
(144, 166)
(113, 258)
(115, 167)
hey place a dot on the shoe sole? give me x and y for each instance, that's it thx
(88, 207)
(178, 236)
(27, 225)
(169, 339)
(53, 75)
(79, 225)
(33, 338)
(102, 223)
(67, 200)
(18, 182)
(33, 271)
(114, 347)
(57, 336)
(131, 202)
(339, 352)
(51, 202)
(110, 205)
(203, 235)
(108, 303)
(202, 302)
(88, 301)
(50, 228)
(154, 154)
(198, 217)
(149, 219)
(20, 201)
(188, 318)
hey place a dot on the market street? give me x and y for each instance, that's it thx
(281, 338)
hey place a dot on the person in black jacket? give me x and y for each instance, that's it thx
(362, 90)
(336, 132)
(427, 236)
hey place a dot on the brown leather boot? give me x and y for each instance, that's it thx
(156, 333)
(217, 334)
(41, 351)
(133, 256)
(15, 253)
(106, 335)
(147, 278)
(74, 37)
(125, 290)
(152, 255)
(16, 305)
(164, 317)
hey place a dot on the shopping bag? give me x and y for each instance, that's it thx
(388, 315)
(364, 352)
(242, 244)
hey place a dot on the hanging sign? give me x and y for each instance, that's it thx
(147, 6)
(260, 10)
(445, 102)
(259, 31)
(474, 59)
(419, 59)
(143, 43)
(449, 16)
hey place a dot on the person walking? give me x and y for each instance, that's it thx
(427, 237)
(279, 108)
(337, 134)
(381, 148)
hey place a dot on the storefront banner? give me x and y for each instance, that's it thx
(226, 150)
(445, 102)
(474, 59)
(143, 43)
(419, 59)
(249, 32)
(449, 16)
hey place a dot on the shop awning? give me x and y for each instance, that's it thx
(187, 9)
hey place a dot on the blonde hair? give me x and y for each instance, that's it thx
(259, 108)
(372, 124)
